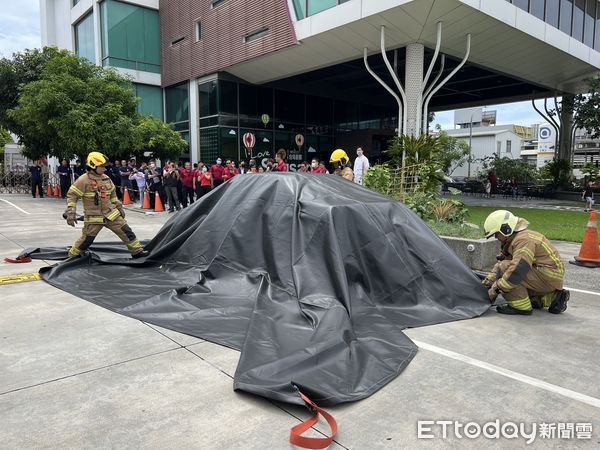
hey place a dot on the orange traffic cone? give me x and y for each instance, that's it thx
(49, 191)
(126, 198)
(158, 206)
(146, 204)
(589, 254)
(56, 191)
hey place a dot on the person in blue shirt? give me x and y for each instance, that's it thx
(36, 178)
(64, 176)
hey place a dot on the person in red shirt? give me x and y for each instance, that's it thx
(203, 182)
(187, 180)
(217, 172)
(316, 167)
(280, 160)
(230, 171)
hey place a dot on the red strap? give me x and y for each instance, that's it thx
(296, 432)
(20, 259)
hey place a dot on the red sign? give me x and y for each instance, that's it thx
(249, 140)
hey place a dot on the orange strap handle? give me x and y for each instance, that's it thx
(296, 432)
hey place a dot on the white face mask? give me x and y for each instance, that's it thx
(359, 152)
(219, 161)
(314, 165)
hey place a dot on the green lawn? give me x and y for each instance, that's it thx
(559, 225)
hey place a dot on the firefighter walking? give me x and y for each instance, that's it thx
(101, 208)
(532, 273)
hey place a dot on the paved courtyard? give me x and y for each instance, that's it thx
(74, 375)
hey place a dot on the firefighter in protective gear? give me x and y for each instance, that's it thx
(101, 208)
(339, 159)
(532, 273)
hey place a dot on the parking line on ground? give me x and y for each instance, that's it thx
(592, 401)
(15, 206)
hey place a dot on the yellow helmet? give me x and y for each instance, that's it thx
(95, 159)
(500, 221)
(339, 156)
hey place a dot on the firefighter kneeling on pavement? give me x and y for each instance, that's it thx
(101, 208)
(531, 273)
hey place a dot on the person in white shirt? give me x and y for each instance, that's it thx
(361, 165)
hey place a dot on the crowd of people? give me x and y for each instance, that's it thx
(179, 184)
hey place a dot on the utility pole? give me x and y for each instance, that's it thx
(470, 142)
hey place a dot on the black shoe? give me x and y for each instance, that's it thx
(559, 302)
(141, 254)
(507, 309)
(536, 303)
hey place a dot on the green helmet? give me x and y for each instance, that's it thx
(501, 221)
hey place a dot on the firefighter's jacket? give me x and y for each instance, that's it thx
(98, 196)
(527, 250)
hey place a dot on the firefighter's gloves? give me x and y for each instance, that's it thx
(71, 217)
(493, 293)
(489, 280)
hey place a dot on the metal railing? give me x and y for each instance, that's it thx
(20, 182)
(404, 180)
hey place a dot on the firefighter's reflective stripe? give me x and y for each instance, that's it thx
(93, 219)
(20, 278)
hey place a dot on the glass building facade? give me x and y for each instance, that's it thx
(151, 100)
(577, 18)
(130, 36)
(230, 109)
(177, 110)
(84, 38)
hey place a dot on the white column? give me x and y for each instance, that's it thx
(97, 33)
(194, 122)
(413, 85)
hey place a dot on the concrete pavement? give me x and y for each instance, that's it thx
(74, 375)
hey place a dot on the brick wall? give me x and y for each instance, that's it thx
(223, 29)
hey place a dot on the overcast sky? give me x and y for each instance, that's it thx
(20, 29)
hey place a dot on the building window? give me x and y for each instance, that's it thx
(597, 30)
(590, 18)
(256, 35)
(536, 7)
(578, 19)
(566, 15)
(74, 2)
(552, 8)
(85, 44)
(150, 100)
(198, 30)
(130, 36)
(177, 40)
(523, 4)
(316, 6)
(508, 146)
(216, 3)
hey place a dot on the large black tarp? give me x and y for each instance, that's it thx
(312, 278)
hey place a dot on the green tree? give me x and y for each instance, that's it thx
(4, 139)
(587, 108)
(557, 170)
(455, 152)
(508, 168)
(75, 107)
(157, 138)
(591, 170)
(15, 73)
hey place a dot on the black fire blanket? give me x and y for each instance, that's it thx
(311, 277)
